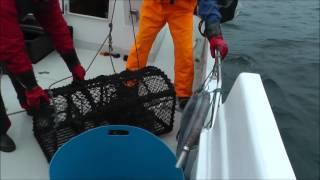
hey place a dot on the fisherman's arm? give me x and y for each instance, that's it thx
(48, 14)
(208, 10)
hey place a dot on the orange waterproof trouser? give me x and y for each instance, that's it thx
(154, 15)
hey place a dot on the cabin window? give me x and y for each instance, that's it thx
(95, 8)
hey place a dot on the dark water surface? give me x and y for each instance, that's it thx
(279, 39)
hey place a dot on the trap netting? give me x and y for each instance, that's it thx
(145, 98)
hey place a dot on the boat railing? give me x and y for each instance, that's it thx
(206, 99)
(217, 91)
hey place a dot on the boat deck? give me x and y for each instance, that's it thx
(28, 161)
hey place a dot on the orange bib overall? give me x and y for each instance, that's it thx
(179, 16)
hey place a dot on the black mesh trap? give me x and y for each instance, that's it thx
(145, 98)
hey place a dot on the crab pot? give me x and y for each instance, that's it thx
(144, 98)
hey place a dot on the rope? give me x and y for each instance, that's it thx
(134, 34)
(110, 36)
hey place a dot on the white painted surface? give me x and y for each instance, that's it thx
(95, 31)
(28, 162)
(245, 142)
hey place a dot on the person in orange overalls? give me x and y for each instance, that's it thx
(14, 57)
(179, 16)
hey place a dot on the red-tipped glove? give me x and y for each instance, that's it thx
(218, 42)
(25, 106)
(78, 72)
(35, 96)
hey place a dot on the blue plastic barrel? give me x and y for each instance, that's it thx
(115, 152)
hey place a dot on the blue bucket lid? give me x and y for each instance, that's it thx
(114, 152)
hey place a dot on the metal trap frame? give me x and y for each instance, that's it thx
(144, 98)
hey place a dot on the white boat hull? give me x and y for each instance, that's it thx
(244, 142)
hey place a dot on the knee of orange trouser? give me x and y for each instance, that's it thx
(133, 64)
(184, 76)
(138, 57)
(183, 89)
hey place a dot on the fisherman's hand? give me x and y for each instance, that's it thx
(218, 42)
(35, 96)
(78, 72)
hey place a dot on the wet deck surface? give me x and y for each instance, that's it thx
(28, 161)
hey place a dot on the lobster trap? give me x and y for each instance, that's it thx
(144, 98)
